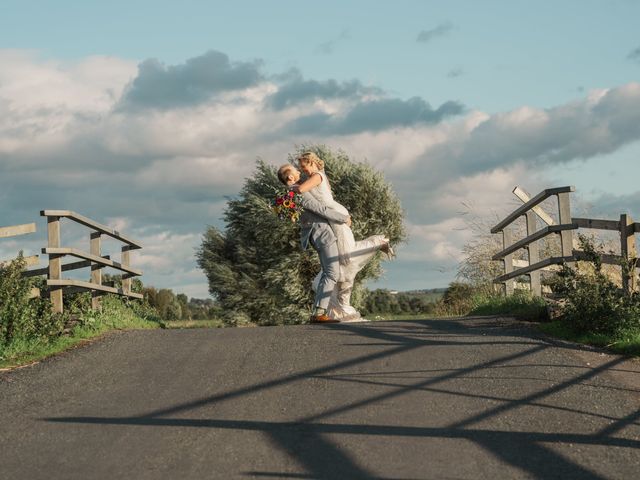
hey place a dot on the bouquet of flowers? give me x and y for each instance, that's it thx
(287, 206)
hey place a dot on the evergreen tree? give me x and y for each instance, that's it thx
(256, 268)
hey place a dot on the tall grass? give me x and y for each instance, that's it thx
(521, 305)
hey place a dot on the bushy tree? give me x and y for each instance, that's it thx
(256, 268)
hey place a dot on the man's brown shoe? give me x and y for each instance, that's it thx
(323, 318)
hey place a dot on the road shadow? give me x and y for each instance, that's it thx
(309, 439)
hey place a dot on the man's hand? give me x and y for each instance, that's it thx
(348, 222)
(295, 188)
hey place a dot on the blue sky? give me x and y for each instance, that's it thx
(536, 82)
(508, 51)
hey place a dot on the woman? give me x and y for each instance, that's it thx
(353, 255)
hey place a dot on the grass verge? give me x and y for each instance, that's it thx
(382, 317)
(624, 343)
(115, 315)
(520, 305)
(212, 323)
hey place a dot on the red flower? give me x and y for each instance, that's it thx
(291, 194)
(293, 205)
(279, 201)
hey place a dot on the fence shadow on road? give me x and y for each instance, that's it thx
(309, 440)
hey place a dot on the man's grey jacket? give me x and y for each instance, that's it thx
(315, 222)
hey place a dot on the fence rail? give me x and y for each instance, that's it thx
(93, 259)
(565, 228)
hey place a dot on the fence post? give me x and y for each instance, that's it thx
(508, 261)
(628, 252)
(534, 255)
(125, 259)
(55, 263)
(96, 269)
(566, 236)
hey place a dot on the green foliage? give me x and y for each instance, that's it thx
(521, 305)
(14, 292)
(172, 307)
(20, 316)
(592, 302)
(256, 268)
(458, 299)
(204, 309)
(115, 313)
(28, 329)
(382, 301)
(467, 299)
(625, 343)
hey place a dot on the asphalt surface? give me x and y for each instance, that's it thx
(437, 399)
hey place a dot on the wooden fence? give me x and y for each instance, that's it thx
(564, 228)
(57, 285)
(14, 231)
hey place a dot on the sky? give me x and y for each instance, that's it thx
(147, 116)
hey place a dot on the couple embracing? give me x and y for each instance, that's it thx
(326, 226)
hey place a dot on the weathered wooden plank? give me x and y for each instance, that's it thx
(596, 223)
(30, 261)
(76, 217)
(542, 196)
(531, 238)
(55, 262)
(537, 266)
(91, 286)
(65, 268)
(536, 286)
(125, 258)
(95, 242)
(564, 218)
(525, 263)
(628, 251)
(546, 218)
(525, 197)
(15, 230)
(509, 284)
(93, 258)
(605, 258)
(549, 263)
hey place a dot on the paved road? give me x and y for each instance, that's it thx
(436, 399)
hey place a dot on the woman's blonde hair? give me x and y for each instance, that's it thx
(310, 158)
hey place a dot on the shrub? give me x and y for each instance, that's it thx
(457, 300)
(21, 316)
(593, 303)
(256, 268)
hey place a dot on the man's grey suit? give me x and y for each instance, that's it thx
(316, 231)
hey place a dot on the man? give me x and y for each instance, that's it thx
(315, 230)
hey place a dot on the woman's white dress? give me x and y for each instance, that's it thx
(354, 255)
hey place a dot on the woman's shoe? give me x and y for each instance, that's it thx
(322, 318)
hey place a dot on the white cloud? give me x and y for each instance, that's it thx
(63, 141)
